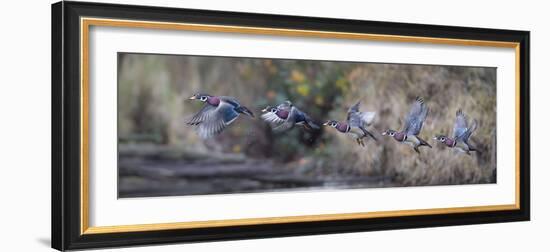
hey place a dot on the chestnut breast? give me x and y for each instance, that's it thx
(399, 136)
(342, 127)
(214, 101)
(450, 142)
(283, 114)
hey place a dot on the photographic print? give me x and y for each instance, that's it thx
(196, 125)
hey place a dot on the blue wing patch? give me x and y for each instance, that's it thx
(229, 114)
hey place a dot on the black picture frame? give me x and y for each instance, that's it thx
(66, 125)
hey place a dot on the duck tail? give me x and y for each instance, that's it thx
(368, 133)
(245, 111)
(311, 124)
(371, 135)
(422, 142)
(472, 148)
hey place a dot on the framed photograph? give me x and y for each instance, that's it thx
(179, 125)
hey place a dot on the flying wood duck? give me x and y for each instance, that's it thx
(461, 134)
(356, 124)
(413, 125)
(285, 116)
(218, 113)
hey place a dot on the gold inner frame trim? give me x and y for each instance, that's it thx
(289, 219)
(86, 23)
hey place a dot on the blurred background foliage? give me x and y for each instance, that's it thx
(160, 155)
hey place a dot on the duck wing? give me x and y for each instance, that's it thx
(461, 125)
(354, 108)
(216, 120)
(202, 115)
(354, 116)
(272, 118)
(416, 117)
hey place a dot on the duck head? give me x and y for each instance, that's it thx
(445, 140)
(331, 123)
(199, 96)
(270, 109)
(212, 100)
(399, 136)
(389, 132)
(280, 112)
(342, 127)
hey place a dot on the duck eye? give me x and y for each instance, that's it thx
(203, 98)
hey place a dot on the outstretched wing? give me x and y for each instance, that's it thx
(463, 131)
(461, 125)
(367, 117)
(354, 118)
(202, 115)
(471, 130)
(354, 108)
(359, 119)
(352, 111)
(289, 122)
(216, 120)
(416, 117)
(272, 118)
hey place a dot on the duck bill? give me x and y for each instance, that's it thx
(192, 98)
(384, 133)
(325, 124)
(264, 110)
